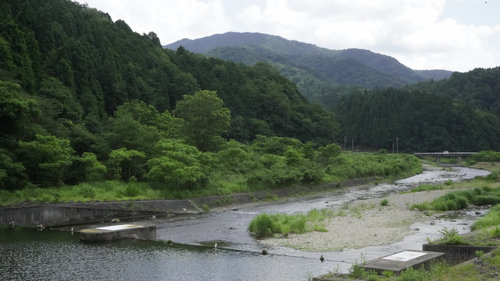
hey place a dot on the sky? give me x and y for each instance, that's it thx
(457, 35)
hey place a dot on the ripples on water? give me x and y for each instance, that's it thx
(52, 255)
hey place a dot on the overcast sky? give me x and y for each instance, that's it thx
(457, 35)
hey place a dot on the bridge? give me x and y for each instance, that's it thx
(438, 155)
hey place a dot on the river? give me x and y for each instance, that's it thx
(54, 255)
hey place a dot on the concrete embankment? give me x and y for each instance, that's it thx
(51, 215)
(65, 214)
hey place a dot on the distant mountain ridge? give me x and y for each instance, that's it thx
(316, 70)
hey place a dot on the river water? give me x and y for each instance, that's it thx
(54, 255)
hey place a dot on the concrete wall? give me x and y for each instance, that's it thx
(455, 254)
(59, 215)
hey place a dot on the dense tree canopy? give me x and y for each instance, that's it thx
(417, 121)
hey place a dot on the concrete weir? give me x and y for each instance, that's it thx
(403, 260)
(119, 231)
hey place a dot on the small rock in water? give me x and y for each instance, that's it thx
(477, 213)
(433, 223)
(322, 259)
(264, 252)
(115, 220)
(417, 229)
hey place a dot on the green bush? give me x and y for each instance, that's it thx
(384, 202)
(413, 275)
(459, 200)
(265, 225)
(492, 218)
(131, 190)
(451, 237)
(262, 226)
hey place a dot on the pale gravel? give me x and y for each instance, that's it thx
(365, 223)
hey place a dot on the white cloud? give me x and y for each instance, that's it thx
(419, 33)
(411, 30)
(171, 20)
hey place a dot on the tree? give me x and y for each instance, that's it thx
(12, 174)
(17, 114)
(205, 119)
(178, 165)
(87, 168)
(124, 163)
(47, 159)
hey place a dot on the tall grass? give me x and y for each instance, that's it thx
(266, 225)
(84, 192)
(492, 218)
(458, 200)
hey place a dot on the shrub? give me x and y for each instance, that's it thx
(262, 226)
(492, 218)
(384, 202)
(451, 237)
(131, 190)
(413, 275)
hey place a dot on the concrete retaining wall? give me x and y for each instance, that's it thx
(455, 254)
(59, 215)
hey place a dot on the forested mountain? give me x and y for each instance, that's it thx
(461, 113)
(322, 75)
(479, 88)
(83, 98)
(77, 89)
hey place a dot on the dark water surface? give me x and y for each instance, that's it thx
(54, 255)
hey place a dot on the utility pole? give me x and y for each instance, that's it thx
(352, 145)
(397, 145)
(345, 140)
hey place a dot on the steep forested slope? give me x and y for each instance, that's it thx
(78, 90)
(99, 64)
(418, 120)
(479, 88)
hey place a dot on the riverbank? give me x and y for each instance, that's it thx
(363, 223)
(371, 222)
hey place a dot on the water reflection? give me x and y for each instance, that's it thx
(29, 255)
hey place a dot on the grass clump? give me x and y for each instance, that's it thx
(492, 218)
(451, 237)
(459, 200)
(266, 225)
(427, 187)
(384, 202)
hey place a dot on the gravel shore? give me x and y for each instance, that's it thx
(363, 223)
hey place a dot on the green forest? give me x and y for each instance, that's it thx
(84, 99)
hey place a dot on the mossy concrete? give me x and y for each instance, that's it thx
(455, 254)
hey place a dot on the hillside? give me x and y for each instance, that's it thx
(461, 113)
(85, 98)
(317, 71)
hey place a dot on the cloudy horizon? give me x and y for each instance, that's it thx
(457, 35)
